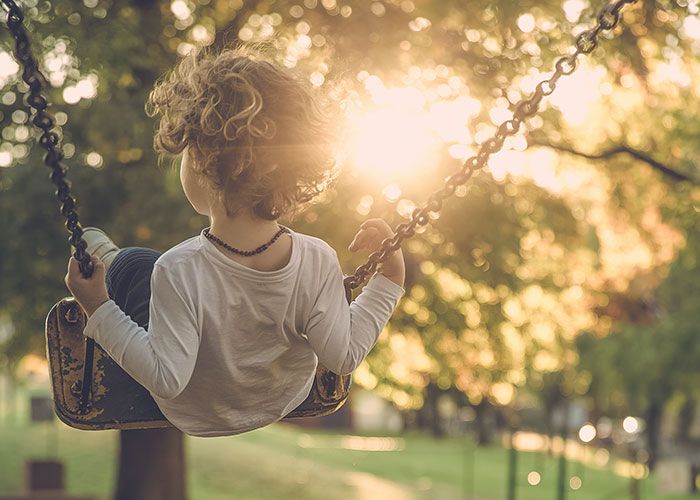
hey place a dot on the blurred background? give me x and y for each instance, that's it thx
(546, 345)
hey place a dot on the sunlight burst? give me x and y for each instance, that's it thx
(391, 142)
(401, 134)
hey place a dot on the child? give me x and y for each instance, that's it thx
(241, 314)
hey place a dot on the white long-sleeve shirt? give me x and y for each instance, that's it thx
(229, 348)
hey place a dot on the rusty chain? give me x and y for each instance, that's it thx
(586, 42)
(608, 18)
(49, 139)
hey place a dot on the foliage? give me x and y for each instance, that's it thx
(520, 262)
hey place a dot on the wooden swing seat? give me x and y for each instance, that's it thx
(117, 401)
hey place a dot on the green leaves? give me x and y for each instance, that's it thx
(518, 264)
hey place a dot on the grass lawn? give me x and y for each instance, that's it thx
(287, 462)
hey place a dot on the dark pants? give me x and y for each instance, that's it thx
(129, 282)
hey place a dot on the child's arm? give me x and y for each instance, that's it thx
(342, 335)
(161, 359)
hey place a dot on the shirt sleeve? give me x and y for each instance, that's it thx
(161, 358)
(342, 335)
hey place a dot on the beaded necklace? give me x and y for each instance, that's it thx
(245, 253)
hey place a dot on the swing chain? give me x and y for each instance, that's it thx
(607, 20)
(49, 139)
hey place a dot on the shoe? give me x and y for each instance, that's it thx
(99, 245)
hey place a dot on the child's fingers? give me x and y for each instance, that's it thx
(74, 274)
(378, 224)
(366, 239)
(355, 244)
(99, 268)
(359, 241)
(72, 267)
(372, 232)
(97, 262)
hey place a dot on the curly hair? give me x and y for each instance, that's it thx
(261, 136)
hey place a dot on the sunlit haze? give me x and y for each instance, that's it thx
(400, 134)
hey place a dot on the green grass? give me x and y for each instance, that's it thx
(287, 462)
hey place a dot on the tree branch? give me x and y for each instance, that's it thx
(670, 172)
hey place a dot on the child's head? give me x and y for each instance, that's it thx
(257, 135)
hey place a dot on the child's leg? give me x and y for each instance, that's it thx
(129, 282)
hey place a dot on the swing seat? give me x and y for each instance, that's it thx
(117, 401)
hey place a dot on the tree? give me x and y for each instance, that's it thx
(654, 346)
(152, 462)
(496, 296)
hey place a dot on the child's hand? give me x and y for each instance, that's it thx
(370, 236)
(90, 292)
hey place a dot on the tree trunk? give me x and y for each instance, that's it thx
(653, 417)
(685, 421)
(549, 429)
(512, 483)
(436, 419)
(428, 417)
(151, 465)
(484, 434)
(151, 461)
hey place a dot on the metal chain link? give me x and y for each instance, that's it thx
(608, 18)
(49, 139)
(586, 42)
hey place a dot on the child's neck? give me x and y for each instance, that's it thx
(247, 232)
(244, 228)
